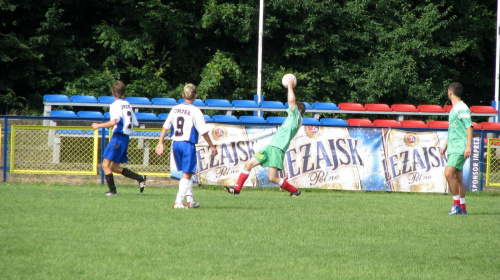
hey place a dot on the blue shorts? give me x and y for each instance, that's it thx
(116, 150)
(185, 156)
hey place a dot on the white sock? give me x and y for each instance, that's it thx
(189, 193)
(281, 182)
(183, 187)
(462, 200)
(456, 197)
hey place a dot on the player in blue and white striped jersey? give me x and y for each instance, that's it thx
(187, 123)
(122, 119)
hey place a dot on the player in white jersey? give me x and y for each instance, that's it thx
(122, 119)
(187, 123)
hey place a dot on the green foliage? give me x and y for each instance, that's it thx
(390, 51)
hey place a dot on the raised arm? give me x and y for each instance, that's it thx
(291, 95)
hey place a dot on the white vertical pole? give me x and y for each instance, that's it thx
(497, 58)
(259, 62)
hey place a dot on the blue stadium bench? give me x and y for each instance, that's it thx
(310, 121)
(197, 102)
(106, 99)
(90, 114)
(333, 122)
(84, 99)
(275, 119)
(253, 120)
(134, 100)
(225, 119)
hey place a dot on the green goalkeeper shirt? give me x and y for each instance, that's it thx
(459, 120)
(287, 130)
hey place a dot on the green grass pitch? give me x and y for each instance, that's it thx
(76, 232)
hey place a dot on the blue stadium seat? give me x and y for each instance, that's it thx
(106, 115)
(146, 116)
(272, 105)
(207, 118)
(333, 121)
(310, 121)
(252, 119)
(245, 104)
(306, 104)
(218, 103)
(106, 99)
(135, 100)
(163, 116)
(90, 114)
(164, 101)
(83, 99)
(56, 98)
(197, 102)
(325, 106)
(63, 114)
(275, 120)
(225, 119)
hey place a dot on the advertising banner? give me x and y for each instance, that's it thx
(341, 158)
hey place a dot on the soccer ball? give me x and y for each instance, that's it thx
(288, 77)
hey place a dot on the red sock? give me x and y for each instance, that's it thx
(456, 202)
(288, 187)
(241, 180)
(463, 207)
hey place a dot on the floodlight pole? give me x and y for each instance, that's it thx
(259, 62)
(497, 58)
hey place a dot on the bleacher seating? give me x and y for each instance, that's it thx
(106, 99)
(135, 100)
(399, 110)
(56, 98)
(437, 124)
(489, 125)
(333, 122)
(273, 105)
(378, 107)
(146, 116)
(351, 107)
(253, 120)
(275, 119)
(483, 109)
(386, 123)
(310, 121)
(197, 102)
(222, 103)
(163, 116)
(225, 119)
(429, 108)
(413, 123)
(164, 101)
(245, 104)
(86, 99)
(404, 108)
(63, 114)
(359, 122)
(90, 114)
(207, 118)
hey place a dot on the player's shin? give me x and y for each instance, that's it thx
(241, 180)
(287, 186)
(110, 181)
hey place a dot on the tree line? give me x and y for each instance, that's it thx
(388, 51)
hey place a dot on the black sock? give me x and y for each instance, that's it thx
(110, 180)
(132, 175)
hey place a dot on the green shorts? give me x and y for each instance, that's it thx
(456, 160)
(270, 156)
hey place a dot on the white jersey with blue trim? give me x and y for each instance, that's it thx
(187, 123)
(121, 111)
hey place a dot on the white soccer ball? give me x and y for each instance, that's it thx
(288, 77)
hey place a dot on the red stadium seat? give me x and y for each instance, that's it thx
(413, 123)
(447, 108)
(430, 108)
(387, 123)
(483, 109)
(438, 124)
(490, 125)
(404, 108)
(377, 107)
(351, 107)
(359, 122)
(475, 125)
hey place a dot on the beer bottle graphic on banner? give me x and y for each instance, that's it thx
(412, 161)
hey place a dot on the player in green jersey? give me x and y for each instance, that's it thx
(457, 147)
(272, 156)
